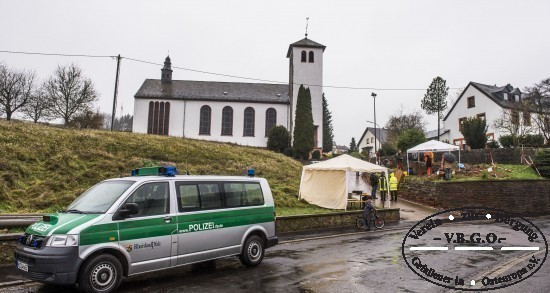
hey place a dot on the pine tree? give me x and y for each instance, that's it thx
(352, 145)
(474, 131)
(328, 136)
(303, 128)
(435, 100)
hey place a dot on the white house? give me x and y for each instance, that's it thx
(443, 135)
(235, 112)
(368, 141)
(486, 101)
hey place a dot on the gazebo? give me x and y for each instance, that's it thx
(432, 146)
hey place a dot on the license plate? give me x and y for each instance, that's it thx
(22, 266)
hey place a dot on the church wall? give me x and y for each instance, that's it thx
(141, 112)
(259, 139)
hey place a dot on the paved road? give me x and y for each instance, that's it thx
(361, 262)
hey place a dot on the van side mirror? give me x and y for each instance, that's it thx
(127, 210)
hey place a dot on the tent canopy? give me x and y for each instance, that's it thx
(326, 183)
(433, 146)
(346, 163)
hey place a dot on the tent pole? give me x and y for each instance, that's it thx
(347, 194)
(408, 163)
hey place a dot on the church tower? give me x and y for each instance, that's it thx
(306, 68)
(166, 71)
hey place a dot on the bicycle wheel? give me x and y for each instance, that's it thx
(361, 223)
(379, 222)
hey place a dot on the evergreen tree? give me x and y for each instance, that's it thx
(328, 136)
(352, 145)
(278, 139)
(474, 131)
(303, 128)
(435, 99)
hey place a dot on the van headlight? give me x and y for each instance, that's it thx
(62, 240)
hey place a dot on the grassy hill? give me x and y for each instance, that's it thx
(43, 168)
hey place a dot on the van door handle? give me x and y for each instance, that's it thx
(167, 219)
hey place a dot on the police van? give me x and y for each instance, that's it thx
(150, 221)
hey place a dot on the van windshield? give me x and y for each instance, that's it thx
(99, 198)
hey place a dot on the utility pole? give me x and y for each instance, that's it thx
(375, 137)
(116, 91)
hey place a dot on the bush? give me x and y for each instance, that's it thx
(288, 152)
(278, 139)
(387, 150)
(531, 140)
(493, 144)
(474, 131)
(316, 155)
(506, 140)
(357, 155)
(542, 162)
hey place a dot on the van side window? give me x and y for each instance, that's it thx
(243, 194)
(198, 196)
(152, 199)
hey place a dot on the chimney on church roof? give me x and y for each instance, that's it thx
(166, 71)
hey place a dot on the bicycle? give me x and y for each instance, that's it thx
(361, 223)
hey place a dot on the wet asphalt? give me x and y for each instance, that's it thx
(339, 260)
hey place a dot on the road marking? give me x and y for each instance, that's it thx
(520, 248)
(429, 248)
(472, 248)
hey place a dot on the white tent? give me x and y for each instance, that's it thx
(326, 183)
(432, 146)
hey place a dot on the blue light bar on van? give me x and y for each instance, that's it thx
(250, 172)
(155, 171)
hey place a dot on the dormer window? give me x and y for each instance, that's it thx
(304, 56)
(516, 97)
(311, 57)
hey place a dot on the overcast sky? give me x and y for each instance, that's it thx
(370, 44)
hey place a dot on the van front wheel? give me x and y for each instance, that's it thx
(253, 251)
(102, 273)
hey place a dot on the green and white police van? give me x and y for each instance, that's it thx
(150, 221)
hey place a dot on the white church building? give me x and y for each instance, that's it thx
(233, 112)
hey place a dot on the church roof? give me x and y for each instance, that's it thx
(214, 91)
(304, 43)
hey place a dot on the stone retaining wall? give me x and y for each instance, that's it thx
(288, 224)
(526, 197)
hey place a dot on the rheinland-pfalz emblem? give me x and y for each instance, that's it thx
(474, 249)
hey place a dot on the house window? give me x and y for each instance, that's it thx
(460, 123)
(516, 97)
(471, 102)
(304, 55)
(526, 118)
(206, 114)
(311, 57)
(514, 117)
(227, 121)
(372, 140)
(249, 116)
(270, 120)
(158, 120)
(481, 115)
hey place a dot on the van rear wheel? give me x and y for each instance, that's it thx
(102, 273)
(253, 251)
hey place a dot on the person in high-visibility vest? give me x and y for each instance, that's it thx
(393, 187)
(383, 186)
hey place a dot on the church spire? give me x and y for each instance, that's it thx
(166, 71)
(307, 22)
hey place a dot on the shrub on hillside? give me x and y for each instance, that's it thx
(316, 155)
(289, 152)
(278, 139)
(542, 162)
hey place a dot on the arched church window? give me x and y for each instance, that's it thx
(206, 114)
(249, 116)
(270, 120)
(227, 121)
(158, 120)
(304, 55)
(311, 57)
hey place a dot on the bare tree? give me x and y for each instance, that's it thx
(38, 106)
(538, 102)
(399, 122)
(69, 92)
(511, 121)
(15, 89)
